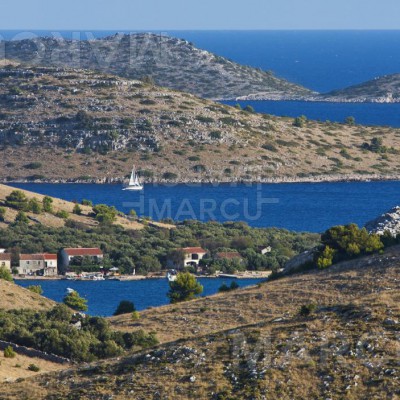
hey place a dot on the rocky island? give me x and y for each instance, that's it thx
(59, 124)
(170, 62)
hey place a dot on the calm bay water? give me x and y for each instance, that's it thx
(364, 113)
(310, 207)
(104, 296)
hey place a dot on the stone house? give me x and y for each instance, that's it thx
(43, 264)
(186, 257)
(70, 255)
(5, 261)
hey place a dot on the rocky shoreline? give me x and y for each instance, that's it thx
(277, 180)
(319, 98)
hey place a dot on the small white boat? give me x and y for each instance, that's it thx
(69, 290)
(134, 182)
(171, 275)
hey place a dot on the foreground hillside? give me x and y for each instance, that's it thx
(174, 63)
(54, 220)
(67, 124)
(254, 344)
(14, 297)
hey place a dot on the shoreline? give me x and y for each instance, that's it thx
(128, 278)
(274, 180)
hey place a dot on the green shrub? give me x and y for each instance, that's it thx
(249, 109)
(76, 302)
(47, 204)
(5, 274)
(87, 203)
(2, 214)
(77, 210)
(35, 289)
(33, 367)
(299, 122)
(135, 316)
(184, 288)
(35, 206)
(21, 218)
(9, 352)
(104, 214)
(62, 214)
(169, 176)
(125, 307)
(33, 165)
(17, 200)
(307, 309)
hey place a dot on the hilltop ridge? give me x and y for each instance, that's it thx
(170, 62)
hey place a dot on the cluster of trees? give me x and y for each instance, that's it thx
(148, 249)
(61, 332)
(19, 201)
(376, 146)
(345, 242)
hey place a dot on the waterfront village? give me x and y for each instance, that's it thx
(87, 263)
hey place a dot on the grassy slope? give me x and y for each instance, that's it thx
(179, 126)
(14, 297)
(58, 205)
(347, 349)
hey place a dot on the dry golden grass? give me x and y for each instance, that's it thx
(15, 297)
(59, 205)
(12, 369)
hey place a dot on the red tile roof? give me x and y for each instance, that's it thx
(229, 255)
(5, 257)
(84, 252)
(193, 250)
(37, 257)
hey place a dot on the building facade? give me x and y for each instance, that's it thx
(5, 260)
(70, 255)
(44, 264)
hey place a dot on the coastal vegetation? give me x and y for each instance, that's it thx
(76, 302)
(148, 249)
(61, 332)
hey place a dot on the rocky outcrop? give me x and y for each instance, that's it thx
(389, 221)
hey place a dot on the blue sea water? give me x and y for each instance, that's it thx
(312, 207)
(320, 60)
(104, 296)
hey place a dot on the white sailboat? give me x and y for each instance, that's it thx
(134, 182)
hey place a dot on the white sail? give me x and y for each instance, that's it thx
(134, 182)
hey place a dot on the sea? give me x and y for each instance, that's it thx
(319, 60)
(103, 297)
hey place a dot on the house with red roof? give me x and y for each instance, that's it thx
(186, 257)
(43, 264)
(5, 260)
(76, 255)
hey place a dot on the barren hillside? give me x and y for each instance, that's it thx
(61, 124)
